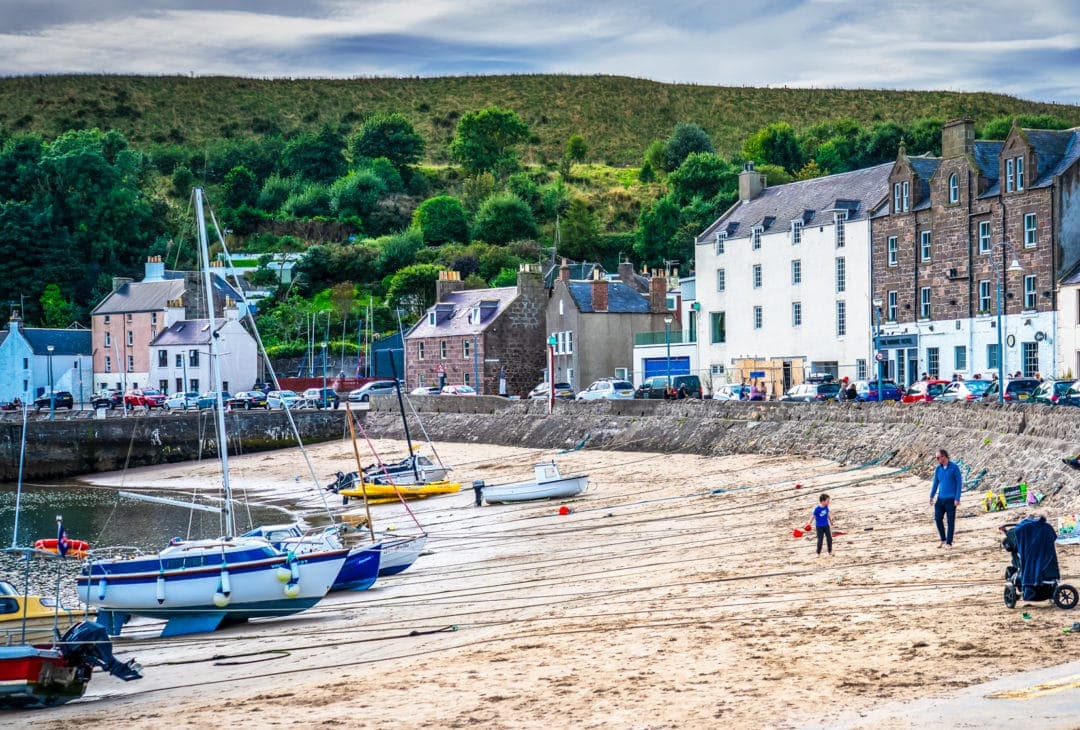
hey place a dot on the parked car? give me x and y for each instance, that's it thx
(375, 387)
(458, 390)
(248, 399)
(322, 397)
(182, 401)
(424, 390)
(59, 399)
(279, 399)
(1017, 390)
(107, 399)
(867, 390)
(656, 386)
(148, 398)
(736, 391)
(1050, 392)
(209, 399)
(607, 389)
(924, 391)
(964, 391)
(812, 393)
(563, 391)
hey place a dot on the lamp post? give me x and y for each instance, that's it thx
(878, 358)
(999, 282)
(551, 372)
(667, 344)
(322, 394)
(52, 395)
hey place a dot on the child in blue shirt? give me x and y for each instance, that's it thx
(823, 523)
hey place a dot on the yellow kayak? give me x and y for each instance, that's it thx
(382, 491)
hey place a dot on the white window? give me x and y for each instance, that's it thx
(796, 271)
(954, 188)
(841, 275)
(841, 318)
(960, 358)
(153, 320)
(757, 276)
(891, 250)
(442, 349)
(838, 221)
(984, 236)
(466, 348)
(419, 350)
(984, 295)
(924, 302)
(757, 318)
(860, 368)
(1031, 298)
(796, 314)
(924, 246)
(1010, 179)
(1019, 173)
(131, 338)
(721, 280)
(108, 364)
(755, 238)
(796, 232)
(1029, 230)
(108, 340)
(720, 239)
(561, 308)
(892, 309)
(569, 342)
(896, 198)
(905, 195)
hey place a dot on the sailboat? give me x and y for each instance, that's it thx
(198, 585)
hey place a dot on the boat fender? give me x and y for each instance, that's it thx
(101, 589)
(292, 590)
(294, 567)
(161, 587)
(220, 599)
(283, 574)
(226, 588)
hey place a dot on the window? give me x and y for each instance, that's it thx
(129, 318)
(193, 385)
(466, 348)
(1031, 297)
(1029, 230)
(905, 197)
(1010, 177)
(131, 338)
(841, 275)
(26, 363)
(896, 198)
(108, 364)
(984, 295)
(841, 318)
(153, 332)
(691, 331)
(757, 276)
(860, 368)
(924, 302)
(796, 232)
(193, 359)
(924, 246)
(108, 340)
(891, 310)
(442, 349)
(721, 280)
(179, 385)
(758, 319)
(431, 318)
(1019, 173)
(1030, 354)
(465, 378)
(719, 333)
(153, 320)
(755, 238)
(891, 250)
(721, 238)
(796, 314)
(163, 358)
(131, 363)
(163, 386)
(838, 221)
(419, 350)
(179, 362)
(992, 357)
(932, 362)
(562, 309)
(954, 188)
(960, 358)
(984, 236)
(569, 342)
(796, 271)
(106, 319)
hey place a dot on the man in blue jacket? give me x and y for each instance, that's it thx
(947, 485)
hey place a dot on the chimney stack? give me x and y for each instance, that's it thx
(751, 183)
(564, 272)
(958, 138)
(15, 322)
(599, 292)
(658, 294)
(155, 269)
(449, 282)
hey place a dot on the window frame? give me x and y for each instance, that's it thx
(840, 269)
(905, 188)
(796, 272)
(796, 232)
(839, 234)
(1019, 173)
(756, 275)
(891, 251)
(892, 307)
(925, 246)
(925, 309)
(755, 238)
(1031, 233)
(984, 297)
(984, 227)
(718, 246)
(796, 314)
(1010, 175)
(1031, 293)
(841, 318)
(721, 280)
(954, 188)
(717, 328)
(759, 317)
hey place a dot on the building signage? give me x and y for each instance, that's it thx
(897, 342)
(757, 373)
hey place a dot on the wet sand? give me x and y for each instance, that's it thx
(673, 595)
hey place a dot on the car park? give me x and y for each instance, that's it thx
(867, 390)
(1017, 390)
(148, 398)
(964, 391)
(107, 399)
(375, 387)
(1051, 392)
(657, 386)
(248, 399)
(458, 390)
(280, 399)
(812, 393)
(322, 397)
(182, 401)
(607, 389)
(563, 391)
(735, 391)
(59, 399)
(924, 391)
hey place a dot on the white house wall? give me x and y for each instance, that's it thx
(238, 356)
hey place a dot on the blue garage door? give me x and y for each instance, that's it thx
(659, 365)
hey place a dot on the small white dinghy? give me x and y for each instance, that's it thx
(549, 484)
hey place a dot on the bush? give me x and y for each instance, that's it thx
(441, 220)
(503, 218)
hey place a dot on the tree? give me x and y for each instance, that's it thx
(775, 144)
(505, 277)
(809, 171)
(241, 188)
(998, 127)
(398, 251)
(485, 140)
(657, 226)
(703, 175)
(503, 218)
(388, 135)
(924, 135)
(315, 157)
(312, 201)
(580, 231)
(356, 194)
(441, 220)
(686, 138)
(55, 310)
(576, 149)
(654, 155)
(413, 288)
(182, 181)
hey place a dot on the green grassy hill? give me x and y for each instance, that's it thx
(617, 116)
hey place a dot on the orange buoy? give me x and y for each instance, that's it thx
(75, 548)
(564, 510)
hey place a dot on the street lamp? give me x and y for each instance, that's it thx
(999, 281)
(52, 395)
(323, 393)
(878, 358)
(551, 372)
(667, 344)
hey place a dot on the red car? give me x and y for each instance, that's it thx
(146, 397)
(924, 391)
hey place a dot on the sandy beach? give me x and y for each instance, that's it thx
(674, 594)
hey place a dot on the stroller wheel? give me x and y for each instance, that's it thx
(1010, 596)
(1065, 596)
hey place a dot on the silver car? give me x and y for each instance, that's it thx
(608, 389)
(279, 399)
(375, 387)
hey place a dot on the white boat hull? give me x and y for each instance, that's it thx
(529, 491)
(400, 553)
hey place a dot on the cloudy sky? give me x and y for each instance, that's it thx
(1028, 48)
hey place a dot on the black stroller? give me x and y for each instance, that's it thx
(1034, 573)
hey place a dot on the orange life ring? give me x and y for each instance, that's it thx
(76, 548)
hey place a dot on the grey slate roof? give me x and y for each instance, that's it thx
(456, 322)
(64, 342)
(578, 270)
(1055, 149)
(856, 191)
(987, 157)
(622, 298)
(186, 332)
(151, 296)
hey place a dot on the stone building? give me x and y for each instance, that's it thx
(490, 339)
(937, 237)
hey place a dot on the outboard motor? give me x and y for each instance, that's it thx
(87, 644)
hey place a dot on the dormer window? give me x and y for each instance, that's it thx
(721, 238)
(905, 196)
(431, 318)
(796, 232)
(474, 315)
(838, 220)
(755, 238)
(1010, 175)
(896, 198)
(1020, 173)
(954, 188)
